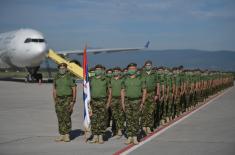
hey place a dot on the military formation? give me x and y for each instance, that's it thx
(136, 101)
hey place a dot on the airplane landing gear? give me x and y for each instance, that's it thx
(33, 76)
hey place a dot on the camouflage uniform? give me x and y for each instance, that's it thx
(177, 85)
(63, 85)
(99, 92)
(133, 94)
(117, 112)
(159, 113)
(149, 105)
(168, 102)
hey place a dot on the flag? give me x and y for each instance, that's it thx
(86, 92)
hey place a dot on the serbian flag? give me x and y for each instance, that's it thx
(86, 92)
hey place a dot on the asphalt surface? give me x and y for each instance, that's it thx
(28, 125)
(209, 131)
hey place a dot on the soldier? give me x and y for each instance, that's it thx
(100, 99)
(168, 95)
(64, 94)
(134, 93)
(124, 72)
(187, 89)
(176, 92)
(150, 103)
(159, 113)
(116, 83)
(109, 74)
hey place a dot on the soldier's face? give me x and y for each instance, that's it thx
(148, 67)
(116, 73)
(98, 71)
(132, 70)
(62, 70)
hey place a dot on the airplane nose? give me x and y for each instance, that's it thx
(39, 54)
(42, 50)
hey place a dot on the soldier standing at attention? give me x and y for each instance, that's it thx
(100, 99)
(64, 94)
(116, 83)
(150, 103)
(109, 74)
(135, 93)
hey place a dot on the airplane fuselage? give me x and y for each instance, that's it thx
(22, 48)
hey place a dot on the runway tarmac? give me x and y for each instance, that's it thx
(29, 126)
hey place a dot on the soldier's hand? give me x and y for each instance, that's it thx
(155, 98)
(141, 106)
(107, 106)
(123, 108)
(90, 113)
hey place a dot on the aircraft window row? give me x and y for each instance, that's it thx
(29, 40)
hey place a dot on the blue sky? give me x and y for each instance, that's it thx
(168, 24)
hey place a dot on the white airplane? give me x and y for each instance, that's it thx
(27, 48)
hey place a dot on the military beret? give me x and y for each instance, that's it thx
(132, 65)
(62, 64)
(99, 66)
(148, 62)
(109, 70)
(117, 68)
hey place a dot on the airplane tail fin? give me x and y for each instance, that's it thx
(147, 44)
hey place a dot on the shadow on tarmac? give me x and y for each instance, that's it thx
(76, 133)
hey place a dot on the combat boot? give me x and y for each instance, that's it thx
(119, 134)
(128, 141)
(94, 139)
(162, 122)
(135, 141)
(66, 138)
(101, 141)
(170, 118)
(59, 138)
(149, 130)
(167, 119)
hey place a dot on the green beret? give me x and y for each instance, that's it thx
(99, 66)
(62, 64)
(148, 62)
(132, 65)
(117, 68)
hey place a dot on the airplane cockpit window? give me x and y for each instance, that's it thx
(28, 40)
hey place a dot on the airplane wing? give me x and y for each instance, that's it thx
(105, 50)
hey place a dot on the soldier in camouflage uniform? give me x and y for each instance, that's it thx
(151, 85)
(109, 75)
(100, 99)
(176, 92)
(159, 112)
(64, 94)
(134, 93)
(169, 96)
(116, 83)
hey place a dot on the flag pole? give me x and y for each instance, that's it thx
(85, 74)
